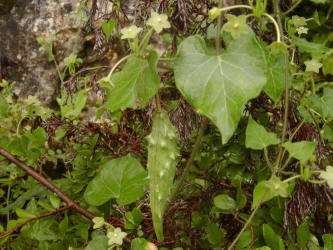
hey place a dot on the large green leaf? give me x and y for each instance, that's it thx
(302, 150)
(324, 104)
(257, 137)
(135, 84)
(123, 178)
(275, 77)
(219, 86)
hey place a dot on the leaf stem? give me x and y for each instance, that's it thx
(292, 178)
(277, 29)
(117, 64)
(218, 31)
(248, 220)
(291, 8)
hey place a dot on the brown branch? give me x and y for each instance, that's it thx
(10, 231)
(42, 180)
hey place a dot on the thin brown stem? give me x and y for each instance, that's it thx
(42, 180)
(12, 230)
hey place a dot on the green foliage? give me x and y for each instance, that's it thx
(122, 178)
(213, 85)
(150, 166)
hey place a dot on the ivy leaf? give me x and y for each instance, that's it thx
(309, 47)
(257, 137)
(328, 176)
(258, 191)
(219, 86)
(324, 104)
(123, 178)
(302, 150)
(74, 105)
(236, 25)
(273, 240)
(328, 65)
(135, 84)
(225, 202)
(107, 28)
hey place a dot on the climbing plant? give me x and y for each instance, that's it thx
(223, 140)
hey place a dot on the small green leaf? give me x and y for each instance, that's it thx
(236, 25)
(258, 192)
(257, 137)
(24, 213)
(328, 241)
(219, 86)
(271, 238)
(327, 66)
(277, 214)
(240, 198)
(100, 243)
(107, 28)
(98, 222)
(323, 105)
(225, 202)
(303, 234)
(55, 201)
(215, 234)
(138, 244)
(310, 47)
(122, 178)
(244, 240)
(135, 84)
(4, 107)
(302, 150)
(328, 176)
(74, 106)
(135, 216)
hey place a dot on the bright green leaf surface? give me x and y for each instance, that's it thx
(225, 202)
(100, 243)
(135, 84)
(72, 108)
(302, 150)
(324, 104)
(258, 192)
(244, 240)
(107, 28)
(328, 175)
(122, 178)
(271, 238)
(257, 137)
(219, 86)
(302, 234)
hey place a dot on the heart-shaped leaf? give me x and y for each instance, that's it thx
(135, 84)
(123, 178)
(219, 86)
(107, 28)
(257, 137)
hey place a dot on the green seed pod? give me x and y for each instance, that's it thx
(162, 154)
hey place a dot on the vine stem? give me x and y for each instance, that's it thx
(189, 162)
(12, 230)
(42, 180)
(286, 79)
(117, 64)
(248, 221)
(291, 8)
